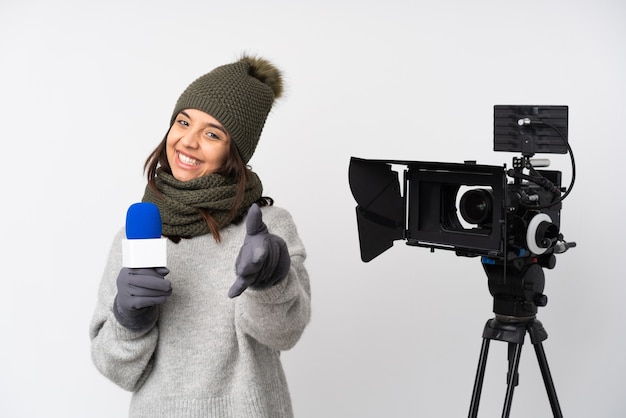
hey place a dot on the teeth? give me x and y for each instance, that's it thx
(187, 160)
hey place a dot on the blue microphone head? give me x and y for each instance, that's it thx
(143, 221)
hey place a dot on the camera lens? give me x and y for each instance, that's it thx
(476, 206)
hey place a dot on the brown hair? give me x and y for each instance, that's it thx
(233, 168)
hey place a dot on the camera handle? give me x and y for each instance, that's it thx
(516, 298)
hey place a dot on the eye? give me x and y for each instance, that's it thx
(213, 135)
(183, 122)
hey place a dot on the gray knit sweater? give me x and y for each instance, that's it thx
(208, 355)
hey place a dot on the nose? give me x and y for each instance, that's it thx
(189, 139)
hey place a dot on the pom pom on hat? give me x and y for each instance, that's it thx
(239, 95)
(265, 72)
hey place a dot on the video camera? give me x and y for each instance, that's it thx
(499, 219)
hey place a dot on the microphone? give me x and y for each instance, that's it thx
(143, 246)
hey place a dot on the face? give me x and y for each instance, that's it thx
(197, 145)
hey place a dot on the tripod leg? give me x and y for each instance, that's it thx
(480, 375)
(512, 378)
(547, 380)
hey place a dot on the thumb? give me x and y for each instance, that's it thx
(254, 221)
(163, 271)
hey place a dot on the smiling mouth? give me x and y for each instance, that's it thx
(187, 160)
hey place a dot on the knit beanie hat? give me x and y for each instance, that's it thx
(239, 95)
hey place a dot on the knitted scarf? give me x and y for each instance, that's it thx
(179, 201)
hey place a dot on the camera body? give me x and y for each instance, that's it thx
(475, 211)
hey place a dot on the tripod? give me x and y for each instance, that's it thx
(516, 297)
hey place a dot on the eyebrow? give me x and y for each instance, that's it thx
(213, 125)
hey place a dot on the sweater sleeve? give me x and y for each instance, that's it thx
(123, 356)
(277, 317)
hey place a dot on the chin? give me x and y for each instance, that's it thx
(184, 176)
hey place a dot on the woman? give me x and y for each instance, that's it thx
(202, 337)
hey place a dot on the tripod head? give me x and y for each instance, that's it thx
(517, 283)
(517, 292)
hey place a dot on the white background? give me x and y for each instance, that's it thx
(86, 91)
